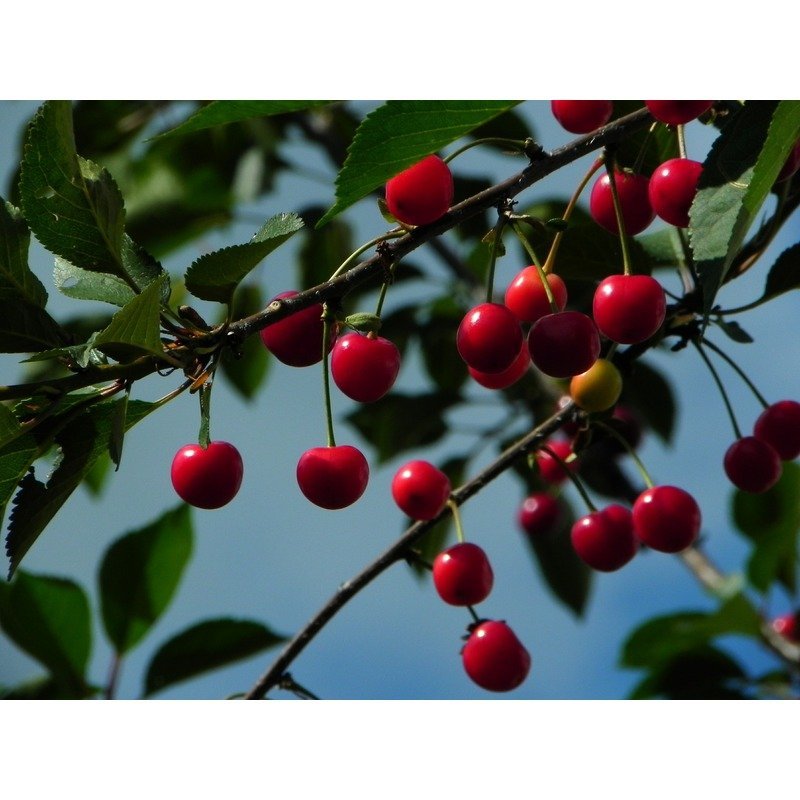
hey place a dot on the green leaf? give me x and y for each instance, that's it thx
(663, 249)
(16, 458)
(216, 275)
(377, 422)
(45, 688)
(784, 274)
(15, 240)
(9, 426)
(139, 575)
(223, 112)
(651, 395)
(737, 177)
(771, 520)
(49, 619)
(135, 329)
(400, 133)
(72, 205)
(208, 645)
(646, 149)
(82, 354)
(26, 327)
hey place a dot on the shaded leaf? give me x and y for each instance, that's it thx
(646, 149)
(400, 133)
(438, 335)
(82, 354)
(663, 249)
(45, 688)
(651, 394)
(15, 240)
(206, 646)
(733, 330)
(216, 275)
(139, 575)
(508, 125)
(321, 251)
(26, 327)
(784, 274)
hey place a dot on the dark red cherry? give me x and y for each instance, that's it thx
(333, 477)
(582, 116)
(509, 376)
(791, 165)
(207, 478)
(463, 575)
(672, 189)
(527, 298)
(666, 518)
(421, 194)
(539, 514)
(564, 344)
(677, 112)
(787, 626)
(779, 426)
(634, 201)
(629, 308)
(297, 339)
(752, 465)
(420, 489)
(604, 539)
(550, 469)
(489, 338)
(364, 367)
(494, 657)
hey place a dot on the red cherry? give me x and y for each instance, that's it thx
(539, 514)
(463, 575)
(604, 539)
(564, 344)
(582, 116)
(364, 367)
(332, 477)
(489, 338)
(634, 202)
(494, 658)
(207, 478)
(779, 426)
(421, 194)
(752, 465)
(527, 298)
(420, 489)
(551, 471)
(788, 627)
(791, 165)
(510, 375)
(677, 112)
(629, 308)
(297, 339)
(666, 518)
(672, 189)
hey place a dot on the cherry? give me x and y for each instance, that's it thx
(787, 626)
(779, 426)
(297, 339)
(791, 165)
(634, 202)
(551, 471)
(489, 338)
(666, 518)
(527, 298)
(672, 189)
(598, 388)
(752, 465)
(207, 478)
(604, 539)
(463, 575)
(582, 116)
(420, 489)
(677, 112)
(421, 194)
(629, 308)
(539, 514)
(332, 477)
(510, 375)
(364, 367)
(494, 657)
(564, 344)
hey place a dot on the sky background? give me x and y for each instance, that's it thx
(273, 557)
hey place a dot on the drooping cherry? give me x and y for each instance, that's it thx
(462, 574)
(207, 478)
(527, 297)
(510, 375)
(629, 308)
(422, 193)
(752, 465)
(420, 489)
(779, 426)
(539, 514)
(582, 116)
(666, 518)
(788, 626)
(489, 338)
(297, 339)
(333, 477)
(564, 344)
(364, 367)
(494, 658)
(549, 467)
(604, 539)
(677, 112)
(634, 202)
(672, 189)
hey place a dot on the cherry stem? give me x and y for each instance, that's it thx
(475, 618)
(496, 242)
(535, 261)
(739, 371)
(288, 683)
(623, 239)
(113, 677)
(453, 506)
(681, 141)
(515, 144)
(384, 289)
(736, 430)
(384, 237)
(637, 165)
(578, 485)
(174, 393)
(326, 381)
(573, 201)
(631, 452)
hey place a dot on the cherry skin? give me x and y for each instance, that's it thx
(494, 657)
(539, 514)
(677, 112)
(420, 489)
(564, 344)
(788, 627)
(672, 189)
(629, 308)
(604, 539)
(666, 518)
(550, 470)
(779, 426)
(598, 388)
(364, 367)
(421, 194)
(333, 477)
(752, 465)
(297, 339)
(510, 375)
(463, 575)
(207, 478)
(489, 338)
(634, 202)
(582, 116)
(527, 298)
